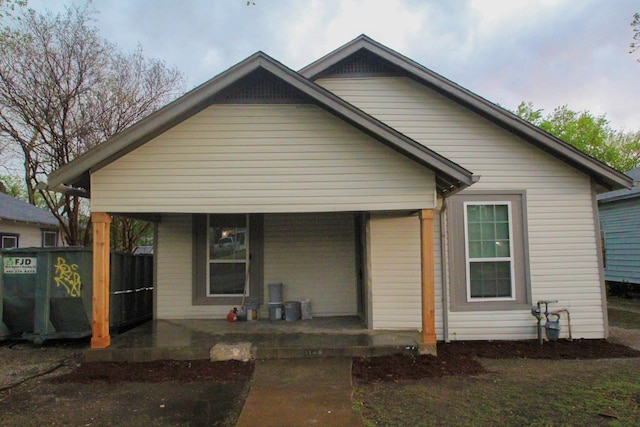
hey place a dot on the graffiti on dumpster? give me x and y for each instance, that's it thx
(68, 277)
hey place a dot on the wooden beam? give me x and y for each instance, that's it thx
(427, 254)
(101, 224)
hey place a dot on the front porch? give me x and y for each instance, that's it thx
(193, 339)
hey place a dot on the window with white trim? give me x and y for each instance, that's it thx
(488, 266)
(9, 241)
(228, 255)
(49, 239)
(489, 251)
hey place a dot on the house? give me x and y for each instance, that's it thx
(364, 182)
(620, 225)
(24, 225)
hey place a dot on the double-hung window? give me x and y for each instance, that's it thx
(489, 251)
(227, 260)
(228, 246)
(487, 246)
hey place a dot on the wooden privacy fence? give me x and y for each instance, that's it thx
(47, 293)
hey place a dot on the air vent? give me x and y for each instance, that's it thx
(362, 63)
(261, 88)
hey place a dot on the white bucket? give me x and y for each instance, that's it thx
(305, 309)
(252, 314)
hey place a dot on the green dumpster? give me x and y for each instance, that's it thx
(46, 293)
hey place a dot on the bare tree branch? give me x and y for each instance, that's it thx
(64, 90)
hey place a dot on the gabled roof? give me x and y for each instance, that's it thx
(13, 209)
(605, 176)
(450, 177)
(634, 192)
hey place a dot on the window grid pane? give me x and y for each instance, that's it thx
(489, 251)
(488, 231)
(490, 279)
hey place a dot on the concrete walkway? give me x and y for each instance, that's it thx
(300, 392)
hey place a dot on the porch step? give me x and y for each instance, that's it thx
(265, 353)
(193, 339)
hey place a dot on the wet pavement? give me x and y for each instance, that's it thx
(193, 339)
(301, 392)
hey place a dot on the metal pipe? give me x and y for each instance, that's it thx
(565, 310)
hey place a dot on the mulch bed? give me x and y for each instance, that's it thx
(458, 358)
(531, 349)
(461, 358)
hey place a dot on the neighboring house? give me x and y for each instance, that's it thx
(23, 225)
(620, 223)
(365, 182)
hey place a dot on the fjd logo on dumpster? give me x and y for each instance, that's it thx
(20, 265)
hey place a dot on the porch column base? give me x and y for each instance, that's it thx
(100, 342)
(424, 348)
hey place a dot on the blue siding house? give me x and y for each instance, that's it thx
(620, 225)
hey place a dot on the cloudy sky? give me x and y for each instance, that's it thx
(549, 52)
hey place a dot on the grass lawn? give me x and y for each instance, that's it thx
(517, 392)
(624, 312)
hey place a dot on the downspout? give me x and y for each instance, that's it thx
(444, 269)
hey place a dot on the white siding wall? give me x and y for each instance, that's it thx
(29, 236)
(313, 255)
(261, 159)
(562, 238)
(396, 273)
(174, 266)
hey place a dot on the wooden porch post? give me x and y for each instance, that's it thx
(101, 246)
(427, 253)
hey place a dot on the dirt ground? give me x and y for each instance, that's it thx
(462, 358)
(50, 385)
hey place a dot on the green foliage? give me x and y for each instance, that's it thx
(8, 8)
(14, 186)
(635, 45)
(622, 289)
(588, 133)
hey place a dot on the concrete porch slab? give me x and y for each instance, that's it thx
(193, 339)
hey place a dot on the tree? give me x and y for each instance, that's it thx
(8, 9)
(590, 134)
(64, 90)
(127, 233)
(635, 24)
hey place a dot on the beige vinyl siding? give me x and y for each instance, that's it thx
(313, 255)
(396, 273)
(562, 234)
(29, 236)
(261, 159)
(174, 258)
